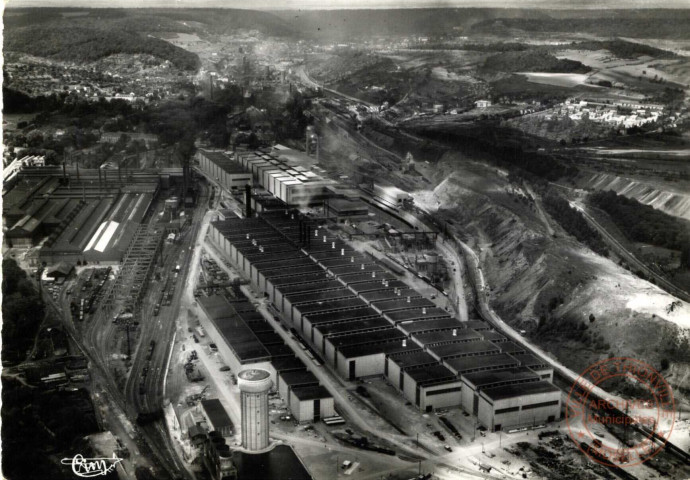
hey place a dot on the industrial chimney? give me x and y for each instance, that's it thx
(248, 201)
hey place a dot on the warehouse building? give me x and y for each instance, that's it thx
(326, 285)
(293, 304)
(365, 360)
(390, 294)
(219, 166)
(216, 417)
(397, 363)
(287, 174)
(402, 303)
(333, 344)
(365, 322)
(237, 344)
(515, 406)
(377, 285)
(432, 386)
(451, 338)
(512, 348)
(325, 331)
(77, 217)
(358, 269)
(537, 365)
(312, 321)
(469, 343)
(478, 363)
(414, 327)
(311, 404)
(474, 383)
(363, 276)
(287, 364)
(343, 209)
(325, 307)
(296, 379)
(417, 314)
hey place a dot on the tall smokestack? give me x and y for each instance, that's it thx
(248, 201)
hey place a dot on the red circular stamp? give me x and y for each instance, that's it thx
(615, 431)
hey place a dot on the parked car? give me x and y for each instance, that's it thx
(224, 368)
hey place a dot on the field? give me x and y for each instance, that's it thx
(567, 80)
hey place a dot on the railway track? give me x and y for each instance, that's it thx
(630, 257)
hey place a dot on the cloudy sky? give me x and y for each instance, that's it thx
(338, 4)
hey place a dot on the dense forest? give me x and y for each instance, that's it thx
(643, 223)
(81, 44)
(624, 49)
(574, 223)
(218, 20)
(644, 23)
(22, 312)
(534, 60)
(38, 428)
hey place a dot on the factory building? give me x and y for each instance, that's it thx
(397, 363)
(461, 365)
(417, 315)
(432, 386)
(416, 327)
(289, 175)
(365, 321)
(343, 209)
(311, 404)
(516, 406)
(538, 366)
(216, 417)
(297, 379)
(474, 383)
(77, 215)
(219, 166)
(325, 331)
(237, 344)
(333, 344)
(364, 360)
(311, 322)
